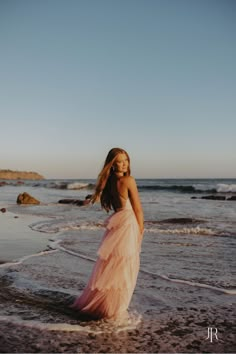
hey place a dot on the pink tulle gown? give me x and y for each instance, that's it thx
(112, 282)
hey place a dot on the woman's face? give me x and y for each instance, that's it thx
(121, 163)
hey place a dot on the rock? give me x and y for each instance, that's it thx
(26, 198)
(77, 202)
(3, 210)
(180, 221)
(214, 197)
(233, 197)
(2, 183)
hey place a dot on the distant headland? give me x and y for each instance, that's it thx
(9, 174)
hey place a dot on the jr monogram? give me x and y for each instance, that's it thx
(210, 333)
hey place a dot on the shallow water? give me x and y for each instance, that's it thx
(187, 253)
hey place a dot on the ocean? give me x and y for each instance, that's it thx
(188, 251)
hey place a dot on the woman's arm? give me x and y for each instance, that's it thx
(135, 201)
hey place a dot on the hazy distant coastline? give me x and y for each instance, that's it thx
(9, 174)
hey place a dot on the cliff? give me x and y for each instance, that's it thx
(8, 174)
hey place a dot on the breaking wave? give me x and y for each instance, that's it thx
(57, 226)
(53, 227)
(195, 188)
(69, 185)
(226, 188)
(184, 186)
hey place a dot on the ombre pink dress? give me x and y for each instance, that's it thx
(112, 282)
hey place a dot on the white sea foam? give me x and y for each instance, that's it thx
(102, 326)
(191, 283)
(204, 187)
(183, 231)
(226, 188)
(77, 185)
(21, 260)
(52, 227)
(56, 226)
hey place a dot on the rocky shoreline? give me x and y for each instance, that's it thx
(9, 174)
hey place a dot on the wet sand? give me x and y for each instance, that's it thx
(178, 332)
(37, 320)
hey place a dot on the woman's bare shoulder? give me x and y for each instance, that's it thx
(128, 180)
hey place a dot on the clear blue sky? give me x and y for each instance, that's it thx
(156, 77)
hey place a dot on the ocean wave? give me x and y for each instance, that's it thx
(226, 188)
(51, 184)
(78, 185)
(69, 185)
(57, 226)
(195, 188)
(177, 188)
(52, 227)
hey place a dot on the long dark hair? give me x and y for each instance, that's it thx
(103, 186)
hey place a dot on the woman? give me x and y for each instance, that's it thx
(114, 276)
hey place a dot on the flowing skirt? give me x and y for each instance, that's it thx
(113, 279)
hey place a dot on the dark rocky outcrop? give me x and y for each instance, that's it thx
(26, 198)
(3, 183)
(233, 197)
(216, 197)
(77, 202)
(180, 221)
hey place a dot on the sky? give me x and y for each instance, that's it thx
(155, 77)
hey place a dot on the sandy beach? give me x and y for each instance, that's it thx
(36, 320)
(179, 332)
